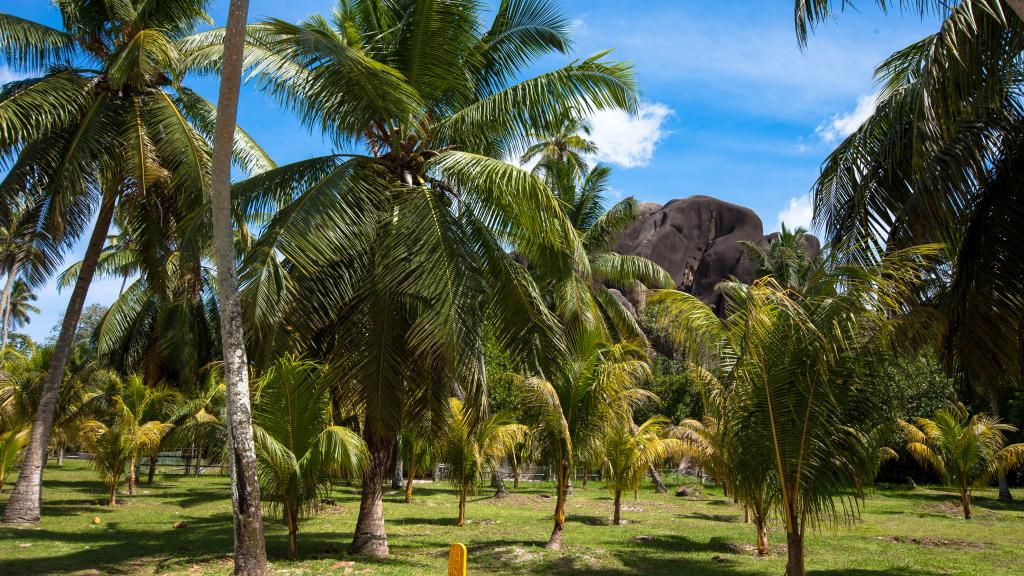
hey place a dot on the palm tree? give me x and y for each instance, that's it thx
(593, 392)
(108, 121)
(473, 448)
(27, 255)
(787, 258)
(297, 442)
(250, 553)
(383, 263)
(800, 366)
(631, 450)
(11, 444)
(938, 161)
(19, 305)
(165, 323)
(809, 13)
(134, 413)
(967, 451)
(585, 302)
(561, 151)
(116, 443)
(420, 454)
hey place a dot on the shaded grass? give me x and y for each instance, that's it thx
(901, 533)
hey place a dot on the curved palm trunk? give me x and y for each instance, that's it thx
(555, 542)
(617, 516)
(659, 484)
(761, 524)
(370, 537)
(500, 490)
(24, 505)
(5, 303)
(250, 554)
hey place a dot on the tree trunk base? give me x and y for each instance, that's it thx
(555, 542)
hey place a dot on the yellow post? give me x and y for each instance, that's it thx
(457, 560)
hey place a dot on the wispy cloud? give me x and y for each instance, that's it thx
(842, 125)
(629, 141)
(8, 75)
(798, 212)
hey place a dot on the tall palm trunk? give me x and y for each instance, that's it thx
(659, 484)
(617, 516)
(26, 499)
(411, 476)
(60, 454)
(370, 537)
(555, 542)
(5, 303)
(250, 553)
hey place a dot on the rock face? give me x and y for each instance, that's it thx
(696, 240)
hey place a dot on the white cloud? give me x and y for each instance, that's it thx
(8, 75)
(798, 212)
(629, 141)
(842, 125)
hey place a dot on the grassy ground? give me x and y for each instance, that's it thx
(901, 533)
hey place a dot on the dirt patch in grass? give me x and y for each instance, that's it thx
(929, 542)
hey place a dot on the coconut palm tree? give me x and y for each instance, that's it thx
(420, 454)
(250, 552)
(19, 306)
(385, 261)
(967, 451)
(800, 368)
(108, 120)
(472, 448)
(630, 450)
(297, 442)
(128, 406)
(594, 392)
(122, 432)
(787, 258)
(28, 255)
(938, 161)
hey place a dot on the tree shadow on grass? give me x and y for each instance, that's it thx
(108, 548)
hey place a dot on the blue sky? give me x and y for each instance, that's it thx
(732, 107)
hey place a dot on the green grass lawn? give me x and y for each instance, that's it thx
(901, 533)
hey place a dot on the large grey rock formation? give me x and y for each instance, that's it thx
(696, 240)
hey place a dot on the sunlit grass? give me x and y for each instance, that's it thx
(901, 533)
